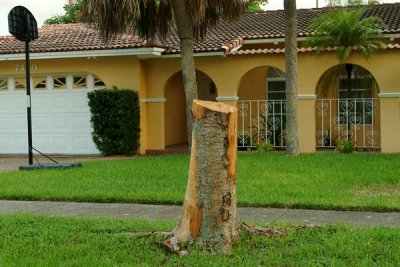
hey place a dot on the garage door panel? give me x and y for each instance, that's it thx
(12, 144)
(60, 123)
(19, 124)
(79, 103)
(80, 123)
(5, 123)
(41, 103)
(13, 125)
(40, 123)
(84, 143)
(42, 142)
(13, 103)
(19, 102)
(61, 103)
(6, 103)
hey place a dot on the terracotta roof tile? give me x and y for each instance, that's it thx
(68, 37)
(224, 37)
(300, 50)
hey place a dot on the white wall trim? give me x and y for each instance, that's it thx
(202, 54)
(301, 39)
(306, 97)
(152, 100)
(389, 95)
(88, 54)
(269, 41)
(227, 98)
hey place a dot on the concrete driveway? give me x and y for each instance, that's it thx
(12, 163)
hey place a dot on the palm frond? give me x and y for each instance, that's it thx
(112, 16)
(151, 18)
(329, 81)
(207, 13)
(347, 30)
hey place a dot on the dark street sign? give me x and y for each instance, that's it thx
(22, 24)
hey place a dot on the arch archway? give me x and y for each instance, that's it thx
(262, 108)
(347, 108)
(175, 106)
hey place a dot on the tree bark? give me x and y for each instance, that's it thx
(209, 211)
(186, 36)
(349, 70)
(292, 141)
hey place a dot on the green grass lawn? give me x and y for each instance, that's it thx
(56, 241)
(320, 180)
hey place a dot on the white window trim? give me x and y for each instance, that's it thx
(11, 85)
(50, 82)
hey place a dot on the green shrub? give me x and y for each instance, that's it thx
(344, 146)
(264, 147)
(115, 120)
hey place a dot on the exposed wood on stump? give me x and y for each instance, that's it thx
(209, 211)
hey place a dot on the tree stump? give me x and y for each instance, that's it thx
(209, 211)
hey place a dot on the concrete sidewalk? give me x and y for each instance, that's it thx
(154, 212)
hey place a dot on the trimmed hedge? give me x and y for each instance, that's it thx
(115, 120)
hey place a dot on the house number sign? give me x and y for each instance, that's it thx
(21, 67)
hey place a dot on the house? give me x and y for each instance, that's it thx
(240, 63)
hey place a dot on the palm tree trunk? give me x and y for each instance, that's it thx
(185, 32)
(349, 70)
(292, 141)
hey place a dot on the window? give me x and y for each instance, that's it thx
(19, 83)
(40, 83)
(98, 83)
(276, 89)
(60, 82)
(356, 105)
(275, 121)
(3, 84)
(80, 82)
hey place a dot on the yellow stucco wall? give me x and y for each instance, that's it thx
(252, 86)
(229, 75)
(306, 122)
(175, 112)
(390, 125)
(121, 71)
(232, 75)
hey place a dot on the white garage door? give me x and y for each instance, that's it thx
(60, 115)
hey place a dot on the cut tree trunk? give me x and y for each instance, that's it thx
(209, 211)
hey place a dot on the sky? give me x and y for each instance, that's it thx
(43, 9)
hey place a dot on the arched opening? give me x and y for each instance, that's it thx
(175, 107)
(347, 108)
(262, 108)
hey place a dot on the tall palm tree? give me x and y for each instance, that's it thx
(292, 141)
(153, 18)
(347, 31)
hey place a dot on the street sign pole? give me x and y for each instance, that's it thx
(29, 106)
